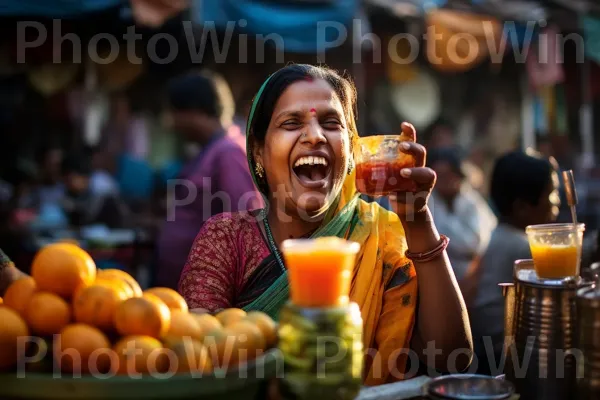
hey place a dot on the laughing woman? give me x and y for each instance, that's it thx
(403, 281)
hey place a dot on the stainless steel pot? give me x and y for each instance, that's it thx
(541, 359)
(588, 343)
(508, 291)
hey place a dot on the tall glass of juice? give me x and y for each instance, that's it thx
(320, 330)
(319, 270)
(556, 249)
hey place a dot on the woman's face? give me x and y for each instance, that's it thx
(306, 150)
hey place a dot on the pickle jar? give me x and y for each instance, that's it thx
(322, 350)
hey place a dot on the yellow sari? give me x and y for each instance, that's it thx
(388, 311)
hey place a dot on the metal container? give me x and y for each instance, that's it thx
(508, 291)
(322, 350)
(468, 387)
(542, 361)
(588, 342)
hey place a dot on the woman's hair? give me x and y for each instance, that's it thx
(282, 79)
(519, 176)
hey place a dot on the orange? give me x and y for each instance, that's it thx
(230, 316)
(220, 347)
(1, 301)
(171, 298)
(124, 277)
(266, 325)
(47, 314)
(140, 355)
(96, 305)
(62, 268)
(147, 315)
(188, 356)
(249, 343)
(118, 284)
(82, 348)
(207, 323)
(11, 329)
(19, 294)
(183, 325)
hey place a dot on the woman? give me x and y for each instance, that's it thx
(305, 115)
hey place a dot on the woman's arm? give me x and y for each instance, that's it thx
(442, 320)
(207, 280)
(442, 327)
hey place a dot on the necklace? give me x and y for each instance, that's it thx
(271, 242)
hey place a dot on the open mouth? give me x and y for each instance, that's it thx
(312, 171)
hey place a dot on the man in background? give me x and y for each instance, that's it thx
(460, 212)
(524, 190)
(216, 180)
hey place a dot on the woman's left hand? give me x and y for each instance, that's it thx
(408, 204)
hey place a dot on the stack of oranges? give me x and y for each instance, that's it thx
(101, 322)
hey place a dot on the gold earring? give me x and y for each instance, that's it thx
(260, 171)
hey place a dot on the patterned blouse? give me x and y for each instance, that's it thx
(223, 266)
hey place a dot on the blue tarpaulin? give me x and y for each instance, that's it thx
(302, 27)
(55, 8)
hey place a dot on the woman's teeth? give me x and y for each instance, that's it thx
(311, 161)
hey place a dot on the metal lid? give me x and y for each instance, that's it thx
(524, 273)
(470, 387)
(589, 296)
(529, 277)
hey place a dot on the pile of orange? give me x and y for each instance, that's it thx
(93, 321)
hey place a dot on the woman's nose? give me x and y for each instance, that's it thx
(313, 134)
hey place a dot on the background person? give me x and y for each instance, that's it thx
(459, 210)
(201, 108)
(524, 190)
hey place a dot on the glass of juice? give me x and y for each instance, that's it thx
(379, 161)
(556, 249)
(319, 270)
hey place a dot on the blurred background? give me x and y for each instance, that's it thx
(83, 104)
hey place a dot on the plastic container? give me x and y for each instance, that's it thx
(379, 161)
(322, 349)
(319, 270)
(556, 249)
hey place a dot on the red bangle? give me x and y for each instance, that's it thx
(431, 254)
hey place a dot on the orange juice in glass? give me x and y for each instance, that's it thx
(320, 270)
(556, 249)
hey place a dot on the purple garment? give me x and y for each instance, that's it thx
(222, 182)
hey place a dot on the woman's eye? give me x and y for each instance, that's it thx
(332, 124)
(291, 125)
